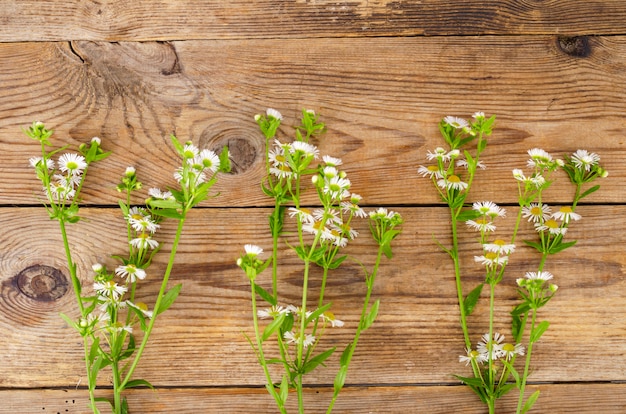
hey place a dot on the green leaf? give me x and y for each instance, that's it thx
(317, 313)
(69, 321)
(284, 389)
(530, 402)
(465, 215)
(472, 299)
(273, 327)
(536, 245)
(475, 382)
(340, 378)
(317, 360)
(165, 204)
(225, 160)
(371, 316)
(591, 190)
(265, 295)
(538, 331)
(138, 383)
(168, 299)
(179, 147)
(345, 355)
(516, 326)
(561, 246)
(512, 371)
(337, 262)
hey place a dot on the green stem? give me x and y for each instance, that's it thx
(117, 392)
(72, 268)
(454, 253)
(370, 285)
(261, 356)
(526, 365)
(157, 304)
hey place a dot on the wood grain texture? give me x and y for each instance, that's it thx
(381, 99)
(416, 339)
(191, 19)
(555, 398)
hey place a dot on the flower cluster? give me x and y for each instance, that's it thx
(322, 232)
(490, 349)
(535, 291)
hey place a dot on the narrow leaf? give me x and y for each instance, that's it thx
(317, 360)
(317, 313)
(589, 191)
(138, 383)
(538, 331)
(530, 402)
(472, 299)
(340, 378)
(273, 327)
(265, 295)
(168, 299)
(371, 316)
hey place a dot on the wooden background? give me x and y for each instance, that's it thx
(381, 74)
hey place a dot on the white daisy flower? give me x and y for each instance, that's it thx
(35, 161)
(332, 161)
(272, 312)
(160, 195)
(144, 240)
(582, 159)
(190, 151)
(109, 289)
(551, 226)
(452, 182)
(456, 122)
(539, 158)
(208, 159)
(565, 214)
(133, 272)
(291, 338)
(472, 355)
(328, 316)
(489, 208)
(303, 214)
(72, 163)
(491, 259)
(430, 171)
(252, 250)
(500, 247)
(270, 112)
(304, 148)
(438, 154)
(536, 212)
(538, 275)
(481, 224)
(464, 164)
(487, 345)
(142, 223)
(510, 350)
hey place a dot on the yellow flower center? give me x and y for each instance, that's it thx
(433, 168)
(566, 210)
(491, 255)
(535, 211)
(454, 179)
(508, 348)
(499, 242)
(552, 224)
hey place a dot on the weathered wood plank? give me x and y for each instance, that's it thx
(416, 339)
(381, 99)
(555, 398)
(241, 19)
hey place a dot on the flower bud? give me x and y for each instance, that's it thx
(130, 171)
(97, 267)
(96, 141)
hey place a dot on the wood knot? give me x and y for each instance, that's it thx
(577, 46)
(243, 151)
(42, 283)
